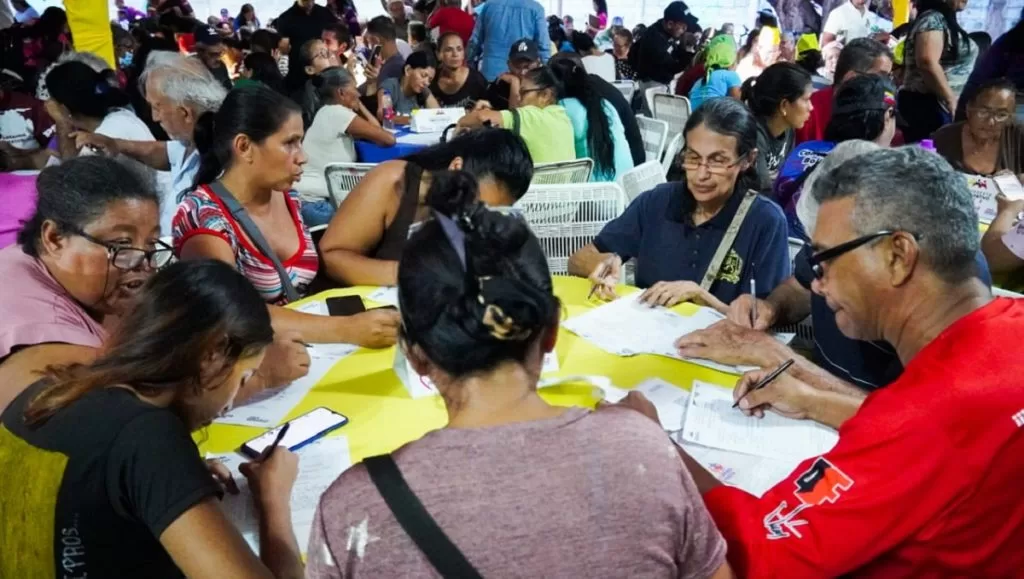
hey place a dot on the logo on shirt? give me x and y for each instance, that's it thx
(1018, 418)
(731, 267)
(820, 484)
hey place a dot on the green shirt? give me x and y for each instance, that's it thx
(547, 132)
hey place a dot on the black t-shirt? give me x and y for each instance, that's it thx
(613, 95)
(299, 28)
(771, 152)
(471, 91)
(221, 74)
(102, 479)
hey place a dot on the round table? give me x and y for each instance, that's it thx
(406, 143)
(382, 415)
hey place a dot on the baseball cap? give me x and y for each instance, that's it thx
(678, 11)
(524, 49)
(207, 35)
(866, 92)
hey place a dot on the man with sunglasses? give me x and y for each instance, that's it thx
(920, 483)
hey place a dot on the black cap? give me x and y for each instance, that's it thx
(524, 49)
(207, 36)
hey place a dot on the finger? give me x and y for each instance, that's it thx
(249, 469)
(745, 383)
(757, 398)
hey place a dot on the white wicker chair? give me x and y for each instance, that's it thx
(654, 134)
(675, 146)
(649, 95)
(795, 245)
(672, 109)
(642, 178)
(627, 88)
(342, 178)
(567, 217)
(563, 172)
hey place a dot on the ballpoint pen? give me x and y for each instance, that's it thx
(766, 380)
(603, 272)
(270, 449)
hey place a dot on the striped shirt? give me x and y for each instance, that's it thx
(202, 213)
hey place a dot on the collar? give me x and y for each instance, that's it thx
(681, 203)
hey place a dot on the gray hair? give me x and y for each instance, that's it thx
(807, 206)
(184, 81)
(913, 190)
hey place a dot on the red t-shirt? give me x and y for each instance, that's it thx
(924, 482)
(685, 83)
(814, 128)
(452, 19)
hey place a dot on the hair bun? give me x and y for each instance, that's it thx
(454, 194)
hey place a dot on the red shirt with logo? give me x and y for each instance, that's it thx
(925, 481)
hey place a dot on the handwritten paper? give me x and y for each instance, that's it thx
(712, 421)
(983, 194)
(1009, 186)
(320, 464)
(268, 408)
(626, 327)
(753, 474)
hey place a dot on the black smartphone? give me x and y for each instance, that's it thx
(374, 54)
(345, 306)
(305, 429)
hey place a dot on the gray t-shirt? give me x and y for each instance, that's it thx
(585, 494)
(403, 104)
(392, 68)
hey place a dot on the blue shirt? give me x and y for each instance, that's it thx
(497, 29)
(869, 365)
(659, 233)
(718, 86)
(621, 156)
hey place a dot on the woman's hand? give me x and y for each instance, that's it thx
(376, 328)
(606, 276)
(670, 293)
(271, 480)
(1006, 205)
(222, 475)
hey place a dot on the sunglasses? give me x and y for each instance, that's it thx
(818, 260)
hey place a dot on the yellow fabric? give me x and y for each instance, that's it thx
(806, 42)
(90, 28)
(900, 12)
(383, 417)
(30, 480)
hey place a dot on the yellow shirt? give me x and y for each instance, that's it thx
(547, 132)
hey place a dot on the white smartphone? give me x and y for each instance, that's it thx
(303, 430)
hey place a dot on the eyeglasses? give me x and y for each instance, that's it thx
(692, 162)
(525, 91)
(817, 260)
(989, 114)
(131, 258)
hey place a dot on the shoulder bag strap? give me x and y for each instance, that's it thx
(730, 236)
(516, 122)
(416, 521)
(254, 233)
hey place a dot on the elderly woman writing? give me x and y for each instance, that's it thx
(989, 141)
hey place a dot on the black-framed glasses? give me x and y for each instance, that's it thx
(692, 162)
(525, 91)
(131, 258)
(817, 260)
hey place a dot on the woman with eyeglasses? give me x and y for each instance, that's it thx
(116, 479)
(538, 118)
(677, 232)
(80, 262)
(990, 141)
(314, 58)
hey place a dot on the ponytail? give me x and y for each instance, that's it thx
(210, 164)
(573, 77)
(782, 81)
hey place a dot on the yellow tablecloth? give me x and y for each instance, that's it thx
(383, 417)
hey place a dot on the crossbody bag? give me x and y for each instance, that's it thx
(730, 237)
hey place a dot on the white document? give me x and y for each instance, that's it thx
(712, 421)
(420, 386)
(315, 308)
(1009, 186)
(753, 474)
(627, 327)
(387, 295)
(670, 400)
(983, 194)
(269, 408)
(320, 464)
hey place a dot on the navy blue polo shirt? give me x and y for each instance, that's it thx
(659, 233)
(869, 365)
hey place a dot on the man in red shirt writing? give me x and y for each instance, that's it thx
(925, 479)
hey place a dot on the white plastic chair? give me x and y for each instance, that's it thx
(649, 95)
(654, 134)
(1002, 293)
(795, 245)
(342, 178)
(627, 88)
(563, 172)
(672, 109)
(642, 178)
(675, 146)
(567, 217)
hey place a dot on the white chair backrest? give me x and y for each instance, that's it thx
(567, 217)
(342, 178)
(675, 146)
(649, 95)
(654, 134)
(795, 245)
(1001, 293)
(627, 88)
(563, 172)
(642, 178)
(672, 109)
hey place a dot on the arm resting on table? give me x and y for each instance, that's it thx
(585, 260)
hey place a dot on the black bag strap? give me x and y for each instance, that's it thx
(516, 122)
(416, 521)
(254, 233)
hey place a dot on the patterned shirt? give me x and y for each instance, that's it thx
(957, 70)
(202, 213)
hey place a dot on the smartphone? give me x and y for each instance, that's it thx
(345, 306)
(303, 430)
(374, 55)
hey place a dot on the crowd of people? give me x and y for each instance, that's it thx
(168, 206)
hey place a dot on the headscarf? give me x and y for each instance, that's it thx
(720, 53)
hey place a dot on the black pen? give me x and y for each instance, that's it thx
(270, 449)
(604, 272)
(767, 380)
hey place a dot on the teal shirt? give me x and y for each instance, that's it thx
(621, 157)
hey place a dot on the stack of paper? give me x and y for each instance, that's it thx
(320, 464)
(627, 327)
